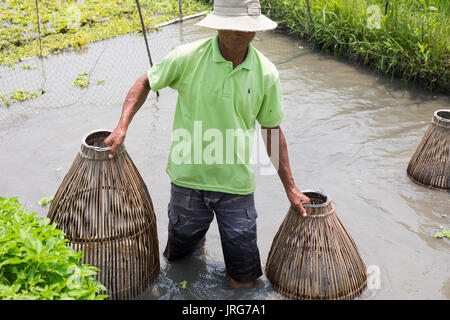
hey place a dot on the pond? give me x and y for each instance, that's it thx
(350, 135)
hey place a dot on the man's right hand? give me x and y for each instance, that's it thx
(115, 140)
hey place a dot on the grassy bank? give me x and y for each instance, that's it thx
(73, 24)
(411, 39)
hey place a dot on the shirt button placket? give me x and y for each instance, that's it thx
(227, 81)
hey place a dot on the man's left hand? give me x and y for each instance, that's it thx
(297, 199)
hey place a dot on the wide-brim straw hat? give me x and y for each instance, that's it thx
(237, 15)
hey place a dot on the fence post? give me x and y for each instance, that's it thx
(180, 5)
(39, 28)
(145, 37)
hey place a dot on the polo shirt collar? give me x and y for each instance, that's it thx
(217, 55)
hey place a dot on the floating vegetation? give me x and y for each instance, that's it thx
(183, 284)
(82, 80)
(4, 99)
(45, 200)
(100, 82)
(74, 24)
(28, 67)
(444, 233)
(19, 95)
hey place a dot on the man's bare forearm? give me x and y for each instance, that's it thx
(283, 166)
(134, 101)
(295, 196)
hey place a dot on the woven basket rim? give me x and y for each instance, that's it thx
(318, 205)
(87, 146)
(439, 117)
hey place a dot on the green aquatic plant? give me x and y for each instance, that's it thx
(45, 200)
(4, 100)
(100, 82)
(82, 80)
(36, 263)
(444, 233)
(74, 24)
(183, 284)
(28, 67)
(20, 95)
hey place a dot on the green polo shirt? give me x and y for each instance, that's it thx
(214, 123)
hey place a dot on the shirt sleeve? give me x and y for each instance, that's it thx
(166, 73)
(271, 113)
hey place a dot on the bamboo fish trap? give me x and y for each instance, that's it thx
(430, 164)
(315, 257)
(106, 211)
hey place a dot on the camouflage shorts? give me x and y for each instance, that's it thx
(190, 213)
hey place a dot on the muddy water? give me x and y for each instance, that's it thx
(350, 135)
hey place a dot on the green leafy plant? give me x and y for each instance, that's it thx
(35, 261)
(82, 80)
(444, 233)
(28, 67)
(20, 95)
(100, 82)
(183, 284)
(45, 200)
(4, 100)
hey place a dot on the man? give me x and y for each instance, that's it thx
(224, 85)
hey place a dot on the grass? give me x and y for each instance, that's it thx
(411, 38)
(410, 41)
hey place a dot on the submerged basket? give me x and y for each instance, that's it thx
(430, 164)
(105, 209)
(315, 257)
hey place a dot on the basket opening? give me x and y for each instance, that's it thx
(444, 114)
(96, 139)
(316, 198)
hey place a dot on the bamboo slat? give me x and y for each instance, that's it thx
(105, 209)
(315, 257)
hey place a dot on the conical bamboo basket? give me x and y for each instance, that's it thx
(430, 164)
(315, 257)
(105, 209)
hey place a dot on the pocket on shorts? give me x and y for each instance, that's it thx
(251, 213)
(173, 215)
(251, 220)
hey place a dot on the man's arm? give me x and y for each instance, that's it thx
(133, 102)
(295, 196)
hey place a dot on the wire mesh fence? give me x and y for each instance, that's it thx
(90, 73)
